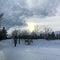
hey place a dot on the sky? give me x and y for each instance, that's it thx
(30, 12)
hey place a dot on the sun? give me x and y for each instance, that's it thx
(30, 26)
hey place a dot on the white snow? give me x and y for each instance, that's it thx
(38, 50)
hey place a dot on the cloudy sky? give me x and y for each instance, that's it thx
(39, 12)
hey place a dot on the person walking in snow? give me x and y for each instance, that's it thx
(15, 40)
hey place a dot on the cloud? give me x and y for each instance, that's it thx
(14, 14)
(52, 22)
(16, 11)
(43, 8)
(58, 10)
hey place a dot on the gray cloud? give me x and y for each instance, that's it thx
(15, 11)
(47, 8)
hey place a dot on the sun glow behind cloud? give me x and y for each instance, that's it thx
(31, 26)
(52, 22)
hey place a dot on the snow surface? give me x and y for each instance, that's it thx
(38, 50)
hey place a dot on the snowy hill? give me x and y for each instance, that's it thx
(38, 50)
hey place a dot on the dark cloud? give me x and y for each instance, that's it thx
(15, 11)
(48, 8)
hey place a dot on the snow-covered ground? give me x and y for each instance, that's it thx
(38, 50)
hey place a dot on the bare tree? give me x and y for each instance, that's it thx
(1, 15)
(37, 28)
(47, 31)
(14, 35)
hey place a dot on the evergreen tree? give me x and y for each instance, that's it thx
(4, 33)
(53, 35)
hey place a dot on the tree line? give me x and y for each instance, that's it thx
(34, 35)
(29, 35)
